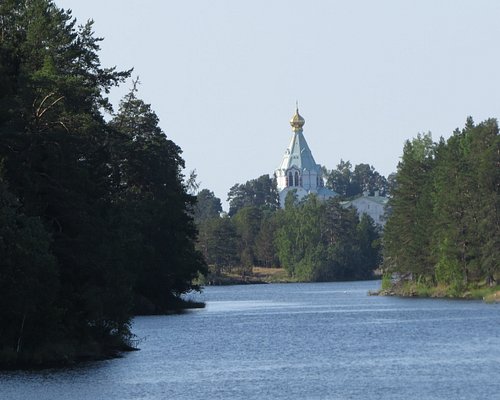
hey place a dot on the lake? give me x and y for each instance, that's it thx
(293, 341)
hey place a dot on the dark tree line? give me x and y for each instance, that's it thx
(95, 221)
(244, 237)
(312, 240)
(445, 222)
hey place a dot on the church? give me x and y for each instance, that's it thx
(298, 171)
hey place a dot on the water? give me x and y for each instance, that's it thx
(293, 341)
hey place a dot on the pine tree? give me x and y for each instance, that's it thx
(409, 229)
(156, 207)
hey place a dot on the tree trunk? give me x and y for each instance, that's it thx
(18, 349)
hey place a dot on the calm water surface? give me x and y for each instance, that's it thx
(293, 341)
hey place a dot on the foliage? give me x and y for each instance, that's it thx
(28, 279)
(96, 215)
(154, 207)
(218, 243)
(386, 282)
(260, 192)
(409, 229)
(349, 182)
(445, 222)
(207, 206)
(311, 239)
(323, 241)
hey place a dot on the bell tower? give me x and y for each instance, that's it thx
(298, 169)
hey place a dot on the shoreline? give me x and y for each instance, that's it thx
(262, 275)
(487, 295)
(259, 275)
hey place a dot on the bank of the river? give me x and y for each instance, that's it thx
(258, 275)
(489, 294)
(63, 354)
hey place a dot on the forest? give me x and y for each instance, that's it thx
(95, 217)
(443, 234)
(310, 239)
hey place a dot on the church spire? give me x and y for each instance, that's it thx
(297, 122)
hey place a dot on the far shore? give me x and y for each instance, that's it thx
(258, 275)
(484, 293)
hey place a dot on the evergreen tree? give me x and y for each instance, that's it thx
(444, 225)
(464, 198)
(265, 249)
(248, 222)
(370, 246)
(409, 229)
(218, 242)
(207, 206)
(156, 207)
(28, 285)
(81, 196)
(52, 139)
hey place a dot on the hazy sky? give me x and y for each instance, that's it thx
(224, 75)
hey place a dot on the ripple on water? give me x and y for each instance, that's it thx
(297, 341)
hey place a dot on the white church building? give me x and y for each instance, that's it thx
(298, 171)
(374, 206)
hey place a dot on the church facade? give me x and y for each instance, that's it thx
(298, 171)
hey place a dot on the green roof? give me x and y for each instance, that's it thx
(299, 155)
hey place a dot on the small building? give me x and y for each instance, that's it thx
(374, 206)
(298, 171)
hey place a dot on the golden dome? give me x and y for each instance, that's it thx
(297, 121)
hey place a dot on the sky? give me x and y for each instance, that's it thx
(224, 75)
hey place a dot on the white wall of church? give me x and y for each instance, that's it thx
(366, 206)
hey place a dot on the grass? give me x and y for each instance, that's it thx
(489, 294)
(272, 275)
(257, 275)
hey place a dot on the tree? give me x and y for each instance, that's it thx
(368, 180)
(409, 229)
(265, 249)
(349, 183)
(88, 203)
(260, 192)
(466, 202)
(444, 226)
(28, 283)
(218, 242)
(52, 140)
(207, 206)
(150, 188)
(323, 241)
(370, 246)
(248, 222)
(340, 179)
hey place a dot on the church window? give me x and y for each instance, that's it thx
(290, 179)
(296, 179)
